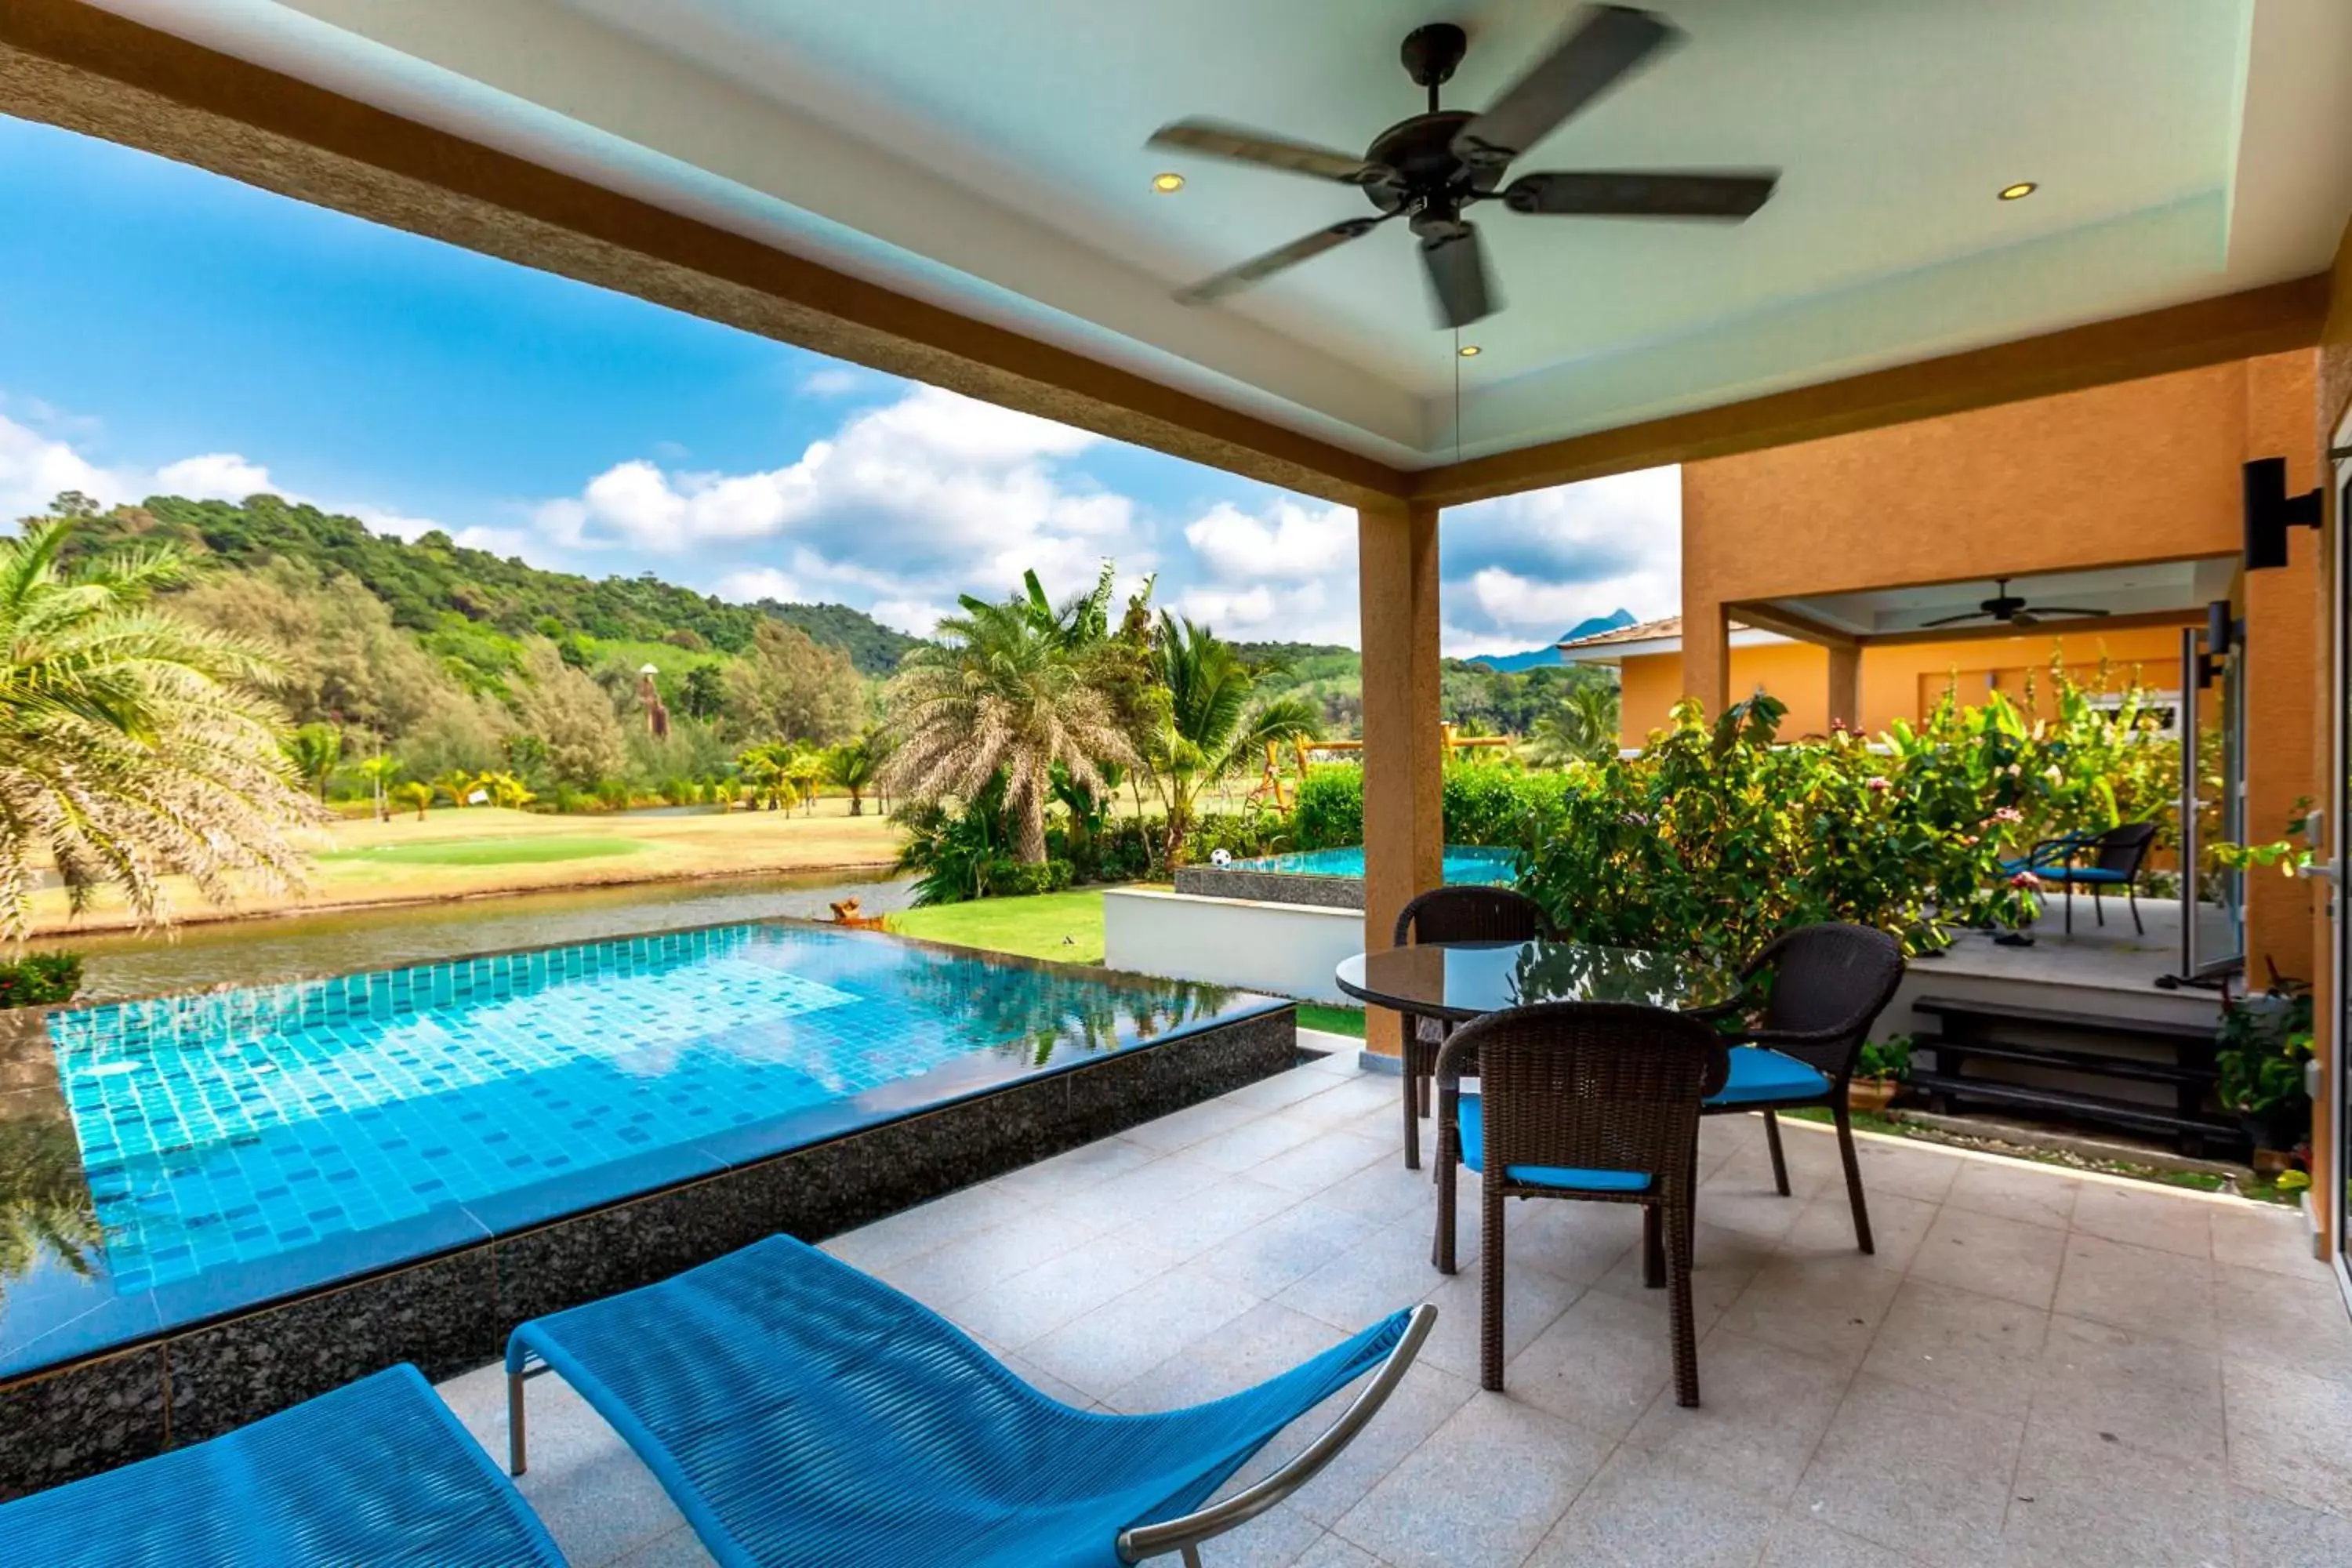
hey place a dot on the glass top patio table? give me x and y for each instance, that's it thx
(1459, 981)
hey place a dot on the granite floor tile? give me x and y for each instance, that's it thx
(1600, 1363)
(2145, 1289)
(2145, 1215)
(2297, 1323)
(1803, 1544)
(2015, 1189)
(1132, 1333)
(955, 1271)
(1481, 1490)
(679, 1549)
(1255, 1142)
(1723, 1264)
(2275, 1533)
(1214, 1215)
(1761, 1414)
(2267, 1236)
(1642, 1510)
(1897, 1225)
(1276, 1253)
(1532, 1301)
(1826, 1307)
(1992, 1257)
(2290, 1433)
(2081, 1501)
(1911, 1471)
(2155, 1393)
(1907, 1168)
(1324, 1160)
(1978, 1351)
(1034, 1303)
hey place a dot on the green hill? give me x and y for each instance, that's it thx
(434, 585)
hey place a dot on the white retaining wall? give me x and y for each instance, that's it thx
(1288, 949)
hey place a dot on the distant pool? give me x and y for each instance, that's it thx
(1464, 866)
(1332, 878)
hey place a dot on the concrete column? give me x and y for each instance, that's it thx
(1396, 551)
(1845, 685)
(1707, 652)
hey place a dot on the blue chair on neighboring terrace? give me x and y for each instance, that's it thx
(378, 1472)
(801, 1412)
(1796, 1044)
(2094, 860)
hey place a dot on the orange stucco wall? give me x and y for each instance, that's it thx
(2139, 471)
(1900, 682)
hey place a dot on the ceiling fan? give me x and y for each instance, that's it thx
(1431, 168)
(2010, 610)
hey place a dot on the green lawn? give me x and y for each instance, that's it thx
(1331, 1020)
(1065, 927)
(488, 851)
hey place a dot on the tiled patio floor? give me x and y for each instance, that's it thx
(2035, 1368)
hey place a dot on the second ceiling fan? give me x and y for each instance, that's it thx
(1429, 169)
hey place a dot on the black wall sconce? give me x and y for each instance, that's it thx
(2271, 511)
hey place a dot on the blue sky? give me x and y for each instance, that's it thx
(165, 330)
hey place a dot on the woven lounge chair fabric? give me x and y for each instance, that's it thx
(378, 1472)
(801, 1412)
(1758, 1074)
(1474, 1154)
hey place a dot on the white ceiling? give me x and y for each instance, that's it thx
(991, 157)
(2119, 590)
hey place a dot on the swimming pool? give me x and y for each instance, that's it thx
(1463, 865)
(200, 1153)
(1332, 878)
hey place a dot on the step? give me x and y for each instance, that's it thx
(2055, 1019)
(2087, 1107)
(2093, 1062)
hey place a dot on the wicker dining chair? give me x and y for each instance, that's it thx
(1453, 914)
(1797, 1045)
(1597, 1100)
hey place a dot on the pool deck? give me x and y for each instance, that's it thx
(2036, 1368)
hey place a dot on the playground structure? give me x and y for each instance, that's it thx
(1273, 790)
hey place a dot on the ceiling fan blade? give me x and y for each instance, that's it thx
(1244, 145)
(1234, 280)
(1456, 264)
(1729, 193)
(2044, 612)
(2020, 618)
(1955, 620)
(1610, 41)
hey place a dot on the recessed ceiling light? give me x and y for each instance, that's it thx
(1169, 183)
(2019, 190)
(1469, 350)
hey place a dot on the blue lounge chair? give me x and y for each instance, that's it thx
(802, 1412)
(377, 1472)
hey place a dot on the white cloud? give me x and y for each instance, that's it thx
(1291, 541)
(35, 470)
(759, 583)
(1520, 571)
(912, 616)
(833, 381)
(215, 476)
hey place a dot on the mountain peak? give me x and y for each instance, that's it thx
(1591, 627)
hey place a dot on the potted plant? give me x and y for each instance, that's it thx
(2265, 1042)
(1878, 1073)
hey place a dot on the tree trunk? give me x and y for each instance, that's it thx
(857, 802)
(1032, 828)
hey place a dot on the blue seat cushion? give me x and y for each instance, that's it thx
(1473, 1153)
(1759, 1075)
(2086, 874)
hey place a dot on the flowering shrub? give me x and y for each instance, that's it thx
(1714, 838)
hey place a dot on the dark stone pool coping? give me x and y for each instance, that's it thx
(1272, 887)
(452, 1312)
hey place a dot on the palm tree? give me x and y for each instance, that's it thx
(380, 772)
(1213, 728)
(767, 770)
(852, 765)
(504, 789)
(805, 770)
(1583, 728)
(414, 796)
(1000, 693)
(457, 785)
(316, 750)
(132, 745)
